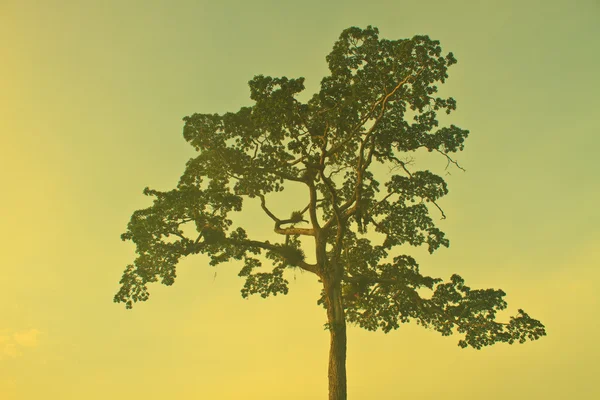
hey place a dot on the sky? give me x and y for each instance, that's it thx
(92, 96)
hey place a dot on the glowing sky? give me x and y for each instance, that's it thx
(91, 99)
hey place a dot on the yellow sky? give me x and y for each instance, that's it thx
(91, 100)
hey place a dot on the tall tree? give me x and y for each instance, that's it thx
(333, 145)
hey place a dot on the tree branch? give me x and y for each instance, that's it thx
(450, 160)
(312, 206)
(279, 222)
(268, 246)
(352, 204)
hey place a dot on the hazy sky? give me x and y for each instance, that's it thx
(92, 94)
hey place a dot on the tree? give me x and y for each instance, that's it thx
(333, 145)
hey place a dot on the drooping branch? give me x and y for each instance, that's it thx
(450, 160)
(439, 208)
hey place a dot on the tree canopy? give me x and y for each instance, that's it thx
(331, 145)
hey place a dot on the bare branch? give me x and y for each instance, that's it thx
(439, 208)
(450, 160)
(295, 231)
(382, 200)
(279, 222)
(305, 209)
(298, 160)
(266, 210)
(312, 205)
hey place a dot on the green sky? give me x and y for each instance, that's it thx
(92, 94)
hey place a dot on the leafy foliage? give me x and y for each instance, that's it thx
(331, 144)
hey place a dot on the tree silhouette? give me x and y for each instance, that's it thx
(331, 145)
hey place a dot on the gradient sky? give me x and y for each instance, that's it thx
(92, 94)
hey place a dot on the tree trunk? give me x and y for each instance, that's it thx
(337, 349)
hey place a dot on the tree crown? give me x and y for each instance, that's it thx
(333, 145)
